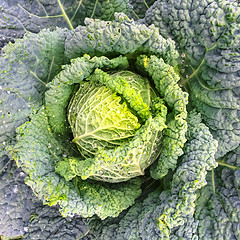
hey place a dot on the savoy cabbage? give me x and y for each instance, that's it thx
(97, 118)
(50, 137)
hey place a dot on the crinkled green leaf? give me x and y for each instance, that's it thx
(20, 17)
(23, 215)
(165, 79)
(47, 223)
(121, 36)
(34, 60)
(218, 203)
(126, 87)
(207, 34)
(17, 202)
(140, 84)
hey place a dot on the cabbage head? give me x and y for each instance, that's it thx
(112, 125)
(112, 117)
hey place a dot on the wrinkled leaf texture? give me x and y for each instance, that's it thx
(22, 16)
(22, 214)
(207, 35)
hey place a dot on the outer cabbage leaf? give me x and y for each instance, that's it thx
(161, 212)
(35, 60)
(23, 215)
(122, 36)
(47, 223)
(16, 204)
(218, 211)
(207, 34)
(217, 204)
(20, 17)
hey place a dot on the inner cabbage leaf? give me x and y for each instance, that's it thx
(99, 119)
